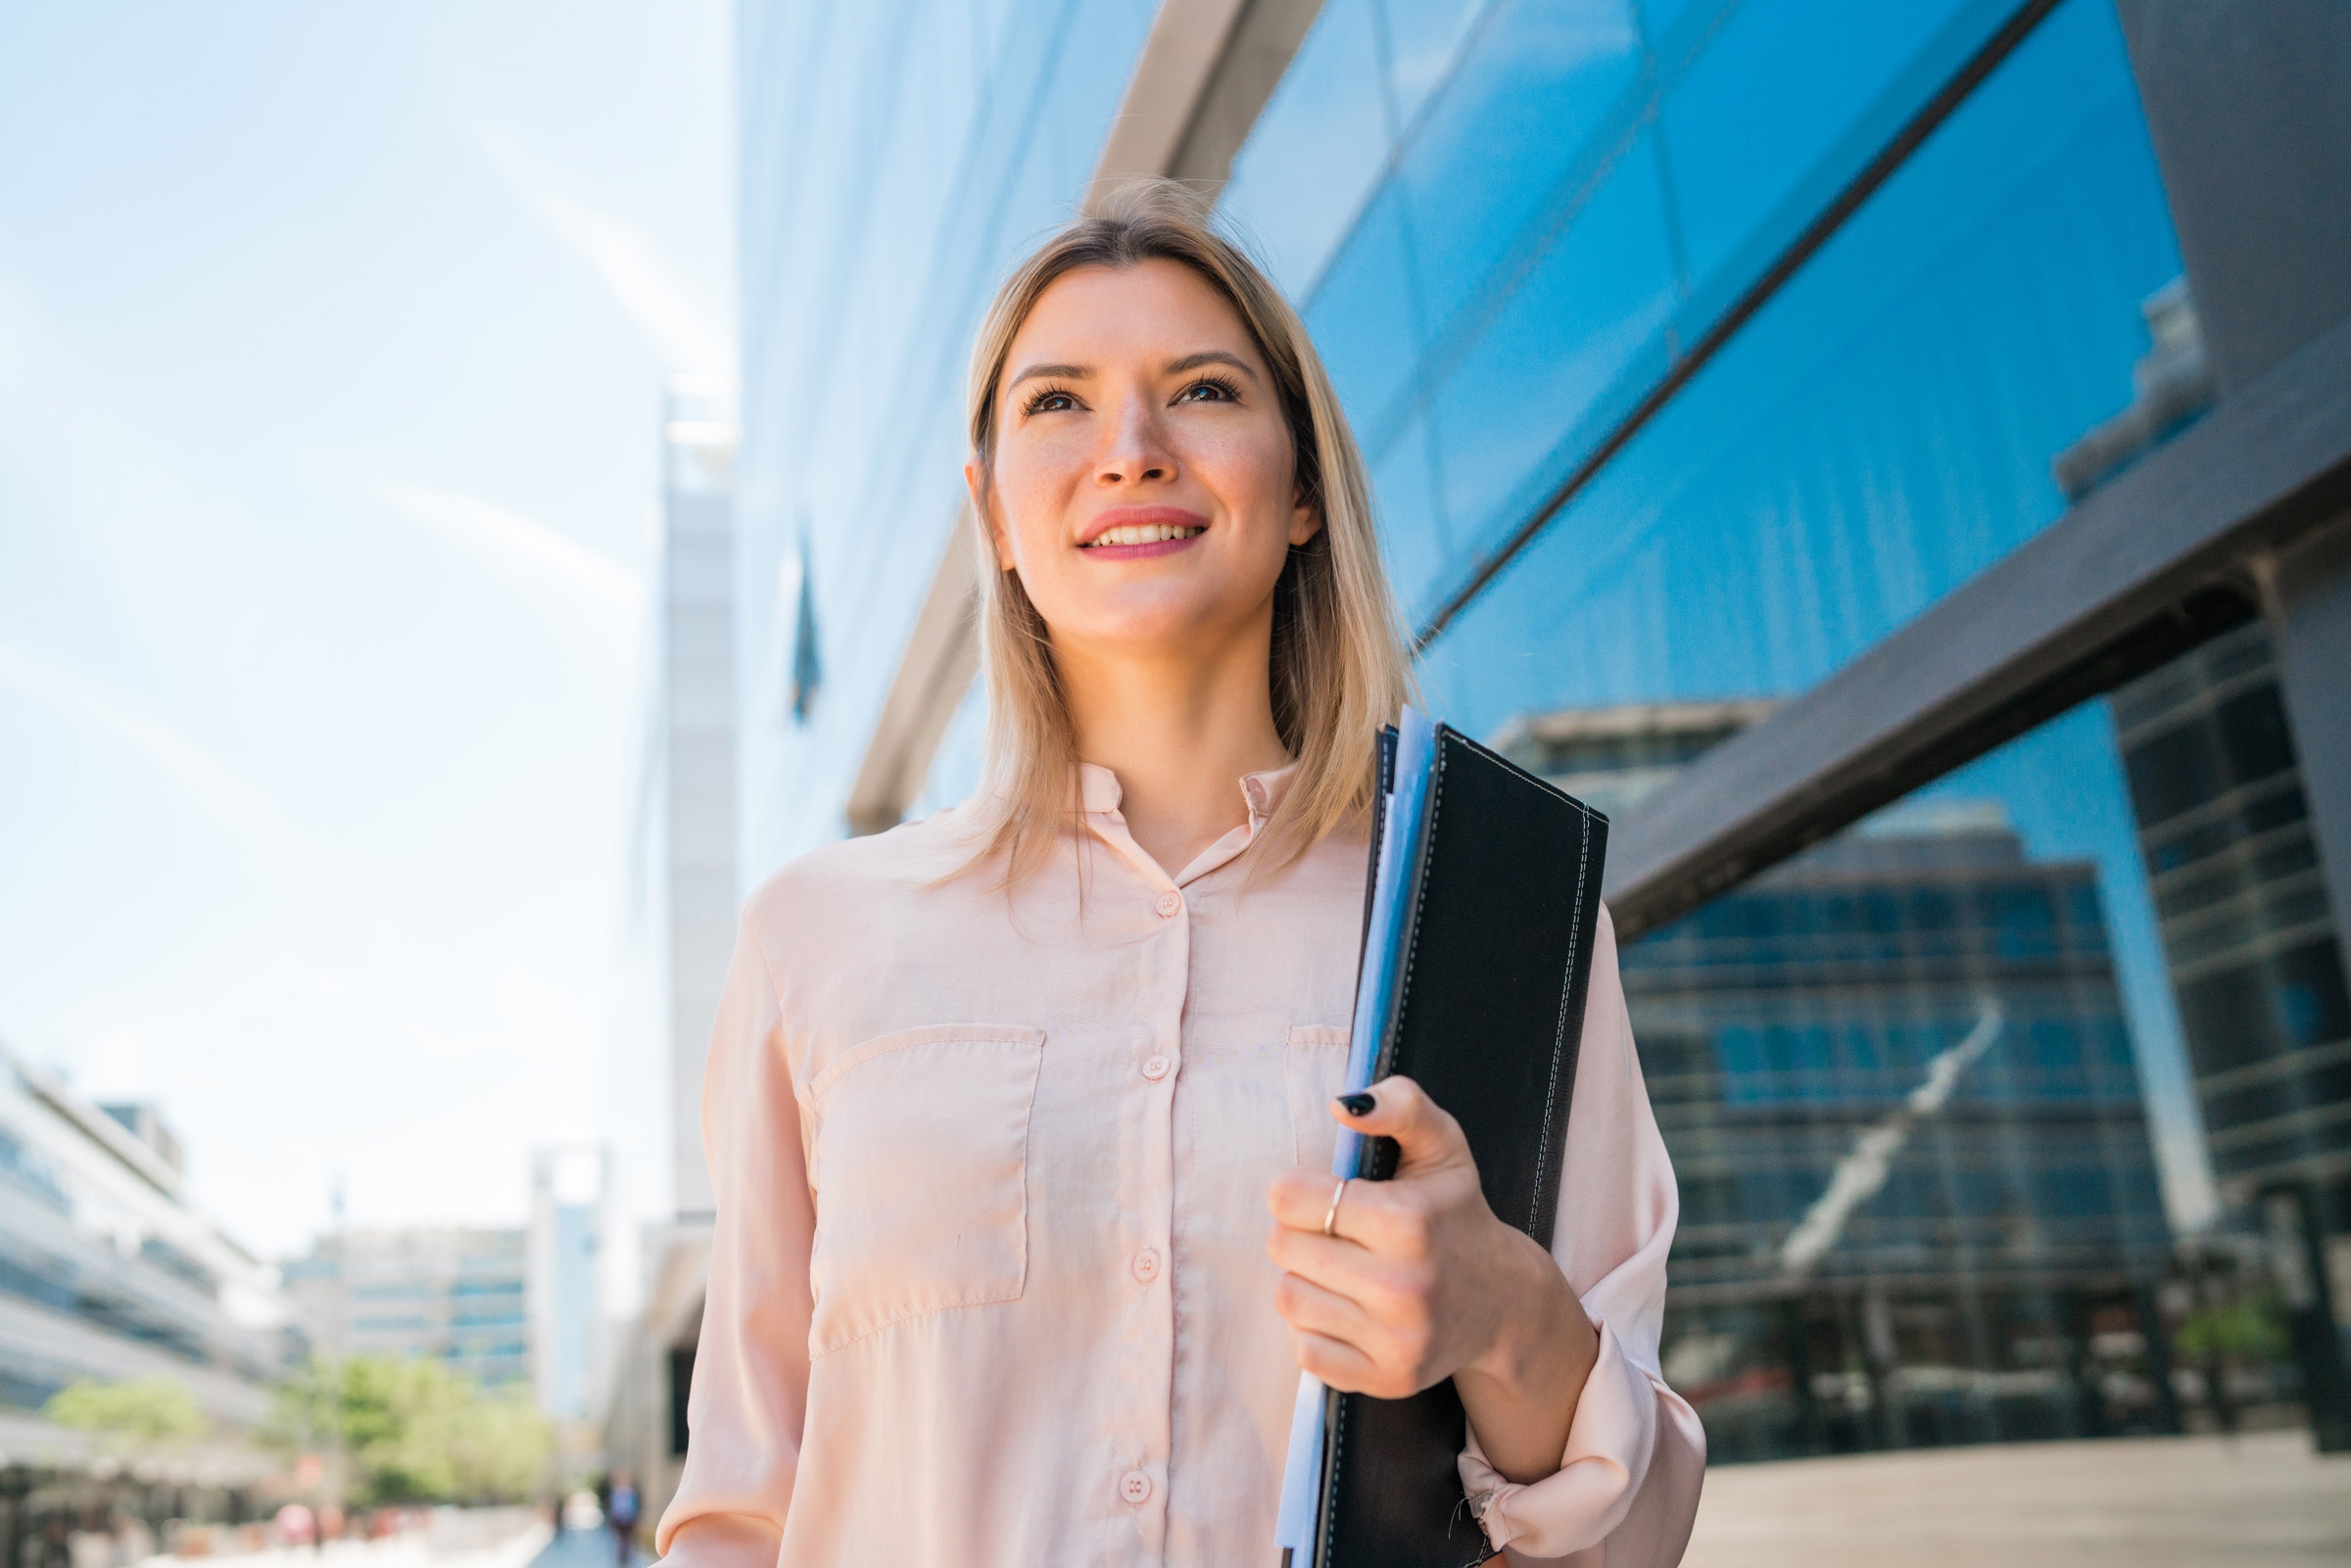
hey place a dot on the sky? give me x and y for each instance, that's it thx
(332, 342)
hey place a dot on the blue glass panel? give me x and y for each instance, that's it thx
(1879, 434)
(1659, 16)
(1411, 524)
(1363, 316)
(1528, 388)
(1317, 150)
(1424, 39)
(1782, 84)
(1508, 148)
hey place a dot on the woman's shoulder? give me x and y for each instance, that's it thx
(846, 885)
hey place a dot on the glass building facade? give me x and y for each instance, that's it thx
(1700, 349)
(1899, 1093)
(108, 1273)
(2224, 825)
(458, 1296)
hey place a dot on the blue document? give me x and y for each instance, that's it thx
(1402, 826)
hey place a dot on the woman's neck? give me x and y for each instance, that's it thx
(1180, 729)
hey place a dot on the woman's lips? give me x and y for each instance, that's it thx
(1137, 532)
(1107, 551)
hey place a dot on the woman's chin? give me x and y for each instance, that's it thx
(1161, 624)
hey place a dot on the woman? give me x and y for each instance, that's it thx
(998, 1103)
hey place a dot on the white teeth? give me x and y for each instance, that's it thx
(1142, 534)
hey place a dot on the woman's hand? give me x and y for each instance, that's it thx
(1421, 1282)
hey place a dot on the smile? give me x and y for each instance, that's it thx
(1142, 534)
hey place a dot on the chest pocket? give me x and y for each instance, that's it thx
(1317, 1068)
(920, 1169)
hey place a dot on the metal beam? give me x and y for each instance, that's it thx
(1205, 74)
(2157, 560)
(2248, 103)
(941, 658)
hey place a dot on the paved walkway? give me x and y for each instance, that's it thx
(586, 1548)
(2260, 1502)
(505, 1537)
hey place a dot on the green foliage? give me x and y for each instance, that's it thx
(2242, 1331)
(416, 1432)
(148, 1409)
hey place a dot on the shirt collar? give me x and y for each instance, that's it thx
(1099, 792)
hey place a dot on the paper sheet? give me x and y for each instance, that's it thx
(1299, 1519)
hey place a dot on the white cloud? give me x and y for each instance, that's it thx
(667, 312)
(525, 551)
(198, 772)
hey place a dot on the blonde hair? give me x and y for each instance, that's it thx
(1339, 667)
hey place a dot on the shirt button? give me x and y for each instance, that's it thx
(1155, 1067)
(1136, 1487)
(1145, 1266)
(1170, 902)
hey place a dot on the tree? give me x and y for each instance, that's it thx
(2251, 1330)
(147, 1409)
(416, 1432)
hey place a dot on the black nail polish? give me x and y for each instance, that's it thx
(1356, 1105)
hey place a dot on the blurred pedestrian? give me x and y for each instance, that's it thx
(296, 1526)
(620, 1512)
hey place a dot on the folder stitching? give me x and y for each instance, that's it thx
(1558, 1039)
(1330, 1487)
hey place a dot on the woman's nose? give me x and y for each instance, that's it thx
(1137, 451)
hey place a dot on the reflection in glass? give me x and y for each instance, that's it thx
(1898, 1087)
(2254, 950)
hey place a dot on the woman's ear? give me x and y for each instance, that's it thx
(1305, 518)
(975, 480)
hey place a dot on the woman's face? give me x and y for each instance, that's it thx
(1144, 484)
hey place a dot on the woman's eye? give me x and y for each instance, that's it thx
(1050, 401)
(1209, 389)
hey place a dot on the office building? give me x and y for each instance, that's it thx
(2254, 950)
(1899, 1088)
(697, 752)
(2256, 962)
(571, 1198)
(459, 1296)
(1833, 357)
(109, 1273)
(647, 1367)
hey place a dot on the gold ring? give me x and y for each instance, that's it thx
(1330, 1222)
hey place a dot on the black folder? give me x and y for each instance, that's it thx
(1504, 909)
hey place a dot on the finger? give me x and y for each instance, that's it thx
(1300, 1199)
(1331, 1261)
(1400, 1109)
(1337, 1363)
(1381, 1286)
(1381, 1215)
(1305, 1304)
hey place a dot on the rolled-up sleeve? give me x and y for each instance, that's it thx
(1626, 1490)
(750, 1369)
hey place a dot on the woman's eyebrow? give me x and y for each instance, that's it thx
(1193, 361)
(1057, 373)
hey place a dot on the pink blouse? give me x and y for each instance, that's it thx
(989, 1287)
